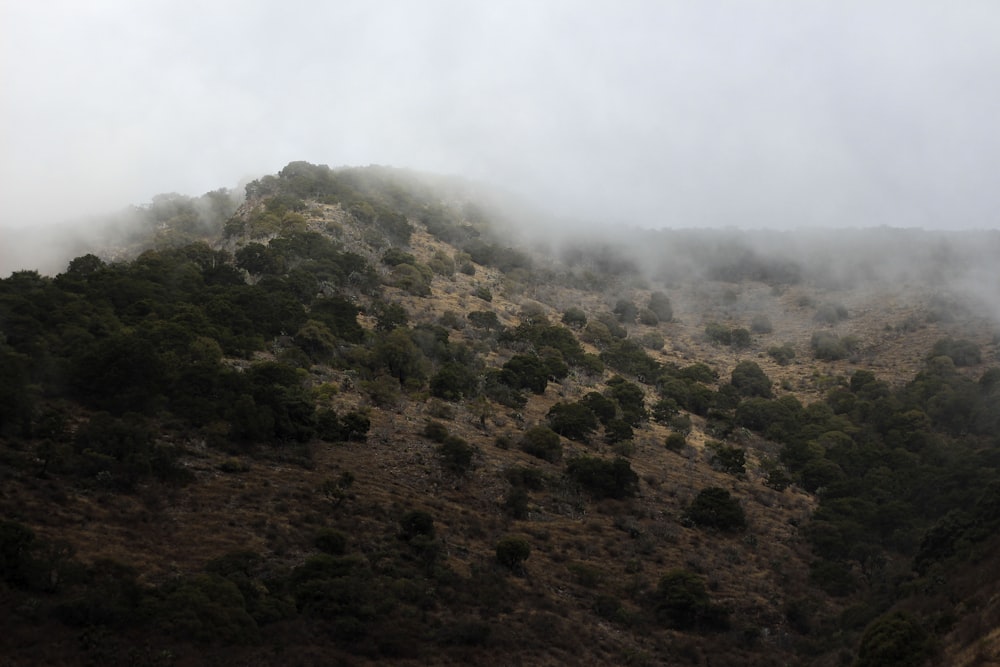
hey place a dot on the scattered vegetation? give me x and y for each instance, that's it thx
(324, 391)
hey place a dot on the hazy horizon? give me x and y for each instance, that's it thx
(754, 115)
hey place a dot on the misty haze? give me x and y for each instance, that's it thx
(677, 115)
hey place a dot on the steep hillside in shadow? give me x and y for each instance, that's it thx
(359, 422)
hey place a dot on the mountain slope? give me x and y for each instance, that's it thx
(330, 434)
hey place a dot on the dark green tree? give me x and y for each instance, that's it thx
(713, 507)
(397, 353)
(454, 381)
(602, 407)
(750, 380)
(574, 317)
(681, 601)
(727, 458)
(414, 523)
(511, 552)
(625, 311)
(572, 420)
(893, 640)
(542, 442)
(316, 340)
(603, 478)
(631, 400)
(660, 304)
(524, 371)
(456, 454)
(962, 352)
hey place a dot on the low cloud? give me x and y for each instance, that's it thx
(723, 114)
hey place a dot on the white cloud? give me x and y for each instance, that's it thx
(757, 113)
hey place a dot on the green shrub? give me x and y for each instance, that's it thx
(234, 466)
(652, 340)
(962, 352)
(613, 325)
(681, 424)
(511, 552)
(625, 311)
(330, 541)
(384, 390)
(740, 338)
(204, 608)
(352, 427)
(435, 431)
(602, 478)
(698, 372)
(728, 459)
(412, 279)
(483, 292)
(681, 601)
(893, 640)
(388, 316)
(713, 507)
(827, 346)
(435, 407)
(761, 324)
(395, 257)
(515, 504)
(453, 381)
(16, 543)
(648, 317)
(414, 523)
(831, 313)
(820, 473)
(484, 319)
(526, 371)
(597, 333)
(833, 577)
(660, 304)
(718, 333)
(775, 477)
(456, 454)
(528, 478)
(664, 410)
(543, 443)
(574, 317)
(496, 388)
(603, 407)
(575, 421)
(631, 400)
(749, 380)
(782, 354)
(618, 431)
(451, 319)
(442, 264)
(676, 442)
(336, 490)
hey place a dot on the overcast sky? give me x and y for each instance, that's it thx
(748, 113)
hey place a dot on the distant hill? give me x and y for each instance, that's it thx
(372, 416)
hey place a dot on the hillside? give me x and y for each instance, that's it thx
(371, 416)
